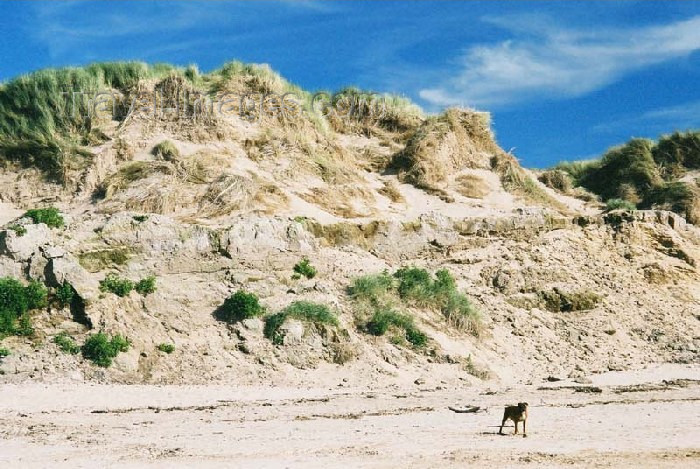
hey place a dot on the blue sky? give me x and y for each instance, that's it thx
(563, 80)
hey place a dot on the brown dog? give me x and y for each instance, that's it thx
(516, 413)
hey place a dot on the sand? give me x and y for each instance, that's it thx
(636, 420)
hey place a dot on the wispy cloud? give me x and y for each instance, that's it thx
(545, 61)
(680, 117)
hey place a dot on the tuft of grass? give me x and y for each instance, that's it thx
(66, 343)
(677, 152)
(166, 348)
(16, 300)
(4, 352)
(146, 286)
(304, 268)
(557, 179)
(372, 287)
(166, 150)
(102, 349)
(140, 218)
(112, 283)
(306, 311)
(18, 229)
(239, 306)
(50, 216)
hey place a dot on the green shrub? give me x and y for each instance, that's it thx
(239, 306)
(677, 152)
(4, 352)
(678, 197)
(101, 349)
(384, 320)
(146, 286)
(414, 284)
(140, 218)
(51, 217)
(64, 294)
(619, 204)
(114, 284)
(631, 164)
(16, 300)
(166, 150)
(305, 268)
(166, 348)
(306, 311)
(66, 343)
(18, 229)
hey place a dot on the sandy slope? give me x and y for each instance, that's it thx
(649, 425)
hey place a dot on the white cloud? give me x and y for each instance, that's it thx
(554, 62)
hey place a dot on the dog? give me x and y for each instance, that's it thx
(516, 413)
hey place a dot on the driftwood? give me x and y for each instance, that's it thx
(467, 410)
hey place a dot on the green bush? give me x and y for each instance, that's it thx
(619, 204)
(166, 150)
(64, 294)
(114, 284)
(305, 268)
(4, 352)
(146, 286)
(166, 348)
(51, 217)
(239, 306)
(384, 320)
(101, 349)
(414, 284)
(557, 179)
(678, 152)
(302, 310)
(66, 343)
(16, 300)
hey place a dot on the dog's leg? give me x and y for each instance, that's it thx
(524, 429)
(500, 431)
(515, 421)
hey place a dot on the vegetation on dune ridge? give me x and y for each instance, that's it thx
(644, 173)
(43, 125)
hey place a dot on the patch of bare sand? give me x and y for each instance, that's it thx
(217, 426)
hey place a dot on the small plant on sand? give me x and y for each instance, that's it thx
(304, 268)
(146, 286)
(305, 311)
(239, 306)
(51, 217)
(4, 352)
(66, 343)
(114, 284)
(166, 348)
(101, 349)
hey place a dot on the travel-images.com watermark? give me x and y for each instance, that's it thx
(199, 106)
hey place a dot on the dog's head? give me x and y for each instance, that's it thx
(522, 406)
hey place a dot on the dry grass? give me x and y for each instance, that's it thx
(444, 144)
(515, 180)
(557, 179)
(391, 190)
(472, 186)
(231, 192)
(346, 201)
